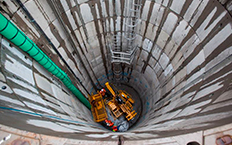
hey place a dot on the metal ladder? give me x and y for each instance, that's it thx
(125, 53)
(123, 47)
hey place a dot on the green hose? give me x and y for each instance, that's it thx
(16, 36)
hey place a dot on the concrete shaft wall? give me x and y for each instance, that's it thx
(182, 70)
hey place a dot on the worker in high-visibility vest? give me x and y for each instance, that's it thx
(109, 123)
(103, 92)
(115, 128)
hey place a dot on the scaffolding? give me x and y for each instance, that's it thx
(123, 46)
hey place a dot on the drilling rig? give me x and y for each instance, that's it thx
(121, 103)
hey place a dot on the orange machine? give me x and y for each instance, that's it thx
(98, 107)
(129, 114)
(125, 96)
(119, 108)
(113, 106)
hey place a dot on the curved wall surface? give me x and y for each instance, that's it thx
(182, 69)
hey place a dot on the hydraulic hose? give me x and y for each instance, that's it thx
(17, 37)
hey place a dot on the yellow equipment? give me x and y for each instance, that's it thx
(126, 107)
(110, 89)
(125, 96)
(112, 104)
(98, 107)
(129, 114)
(114, 108)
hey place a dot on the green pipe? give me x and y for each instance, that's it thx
(16, 36)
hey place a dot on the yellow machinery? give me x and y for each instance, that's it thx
(126, 107)
(113, 106)
(125, 96)
(98, 107)
(129, 114)
(110, 89)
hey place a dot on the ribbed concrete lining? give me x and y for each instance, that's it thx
(182, 71)
(17, 37)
